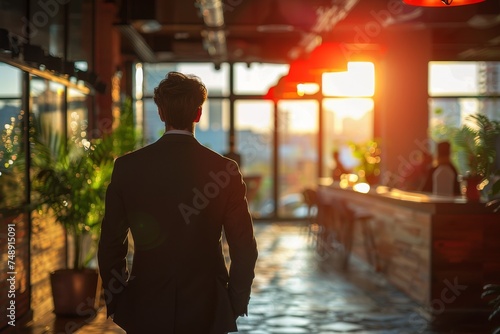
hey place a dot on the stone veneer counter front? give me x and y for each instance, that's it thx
(440, 251)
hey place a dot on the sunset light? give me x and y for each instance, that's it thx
(359, 80)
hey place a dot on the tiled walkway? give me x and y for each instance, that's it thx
(295, 292)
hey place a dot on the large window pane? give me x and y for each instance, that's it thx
(153, 74)
(12, 176)
(464, 78)
(257, 78)
(216, 81)
(346, 121)
(47, 106)
(298, 154)
(448, 114)
(254, 137)
(210, 131)
(213, 128)
(153, 126)
(357, 81)
(10, 85)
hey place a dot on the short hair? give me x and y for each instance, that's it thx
(178, 98)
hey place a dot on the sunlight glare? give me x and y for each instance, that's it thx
(359, 80)
(307, 88)
(254, 115)
(299, 116)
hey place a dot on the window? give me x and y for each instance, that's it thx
(459, 89)
(254, 136)
(257, 78)
(347, 113)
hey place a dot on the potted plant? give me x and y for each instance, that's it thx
(368, 155)
(475, 151)
(492, 291)
(69, 182)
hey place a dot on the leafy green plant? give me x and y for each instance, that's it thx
(71, 177)
(368, 155)
(492, 291)
(475, 146)
(70, 183)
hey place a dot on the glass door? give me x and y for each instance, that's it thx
(297, 154)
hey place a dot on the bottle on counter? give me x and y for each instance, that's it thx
(443, 181)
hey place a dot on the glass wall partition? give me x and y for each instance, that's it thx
(254, 123)
(298, 127)
(47, 105)
(213, 128)
(12, 171)
(255, 78)
(14, 226)
(457, 90)
(348, 109)
(278, 148)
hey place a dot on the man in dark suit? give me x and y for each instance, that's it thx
(176, 196)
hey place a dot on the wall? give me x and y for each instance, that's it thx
(48, 253)
(402, 114)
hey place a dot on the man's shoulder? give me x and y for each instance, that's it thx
(135, 154)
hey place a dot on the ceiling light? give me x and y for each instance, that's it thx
(212, 13)
(150, 26)
(309, 88)
(441, 3)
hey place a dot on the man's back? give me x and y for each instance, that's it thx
(175, 196)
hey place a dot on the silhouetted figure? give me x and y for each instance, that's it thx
(339, 168)
(442, 171)
(175, 196)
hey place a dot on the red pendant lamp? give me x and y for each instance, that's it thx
(282, 90)
(302, 79)
(441, 3)
(300, 72)
(328, 57)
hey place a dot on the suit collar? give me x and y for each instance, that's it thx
(177, 138)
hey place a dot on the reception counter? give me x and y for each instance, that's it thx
(439, 250)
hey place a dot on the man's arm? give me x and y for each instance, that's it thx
(238, 227)
(113, 245)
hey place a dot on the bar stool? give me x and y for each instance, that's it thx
(311, 200)
(338, 222)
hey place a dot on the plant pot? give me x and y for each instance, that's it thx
(74, 291)
(472, 192)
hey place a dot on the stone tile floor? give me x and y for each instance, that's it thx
(296, 292)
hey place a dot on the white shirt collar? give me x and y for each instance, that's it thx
(179, 132)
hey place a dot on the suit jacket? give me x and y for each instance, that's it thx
(176, 197)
